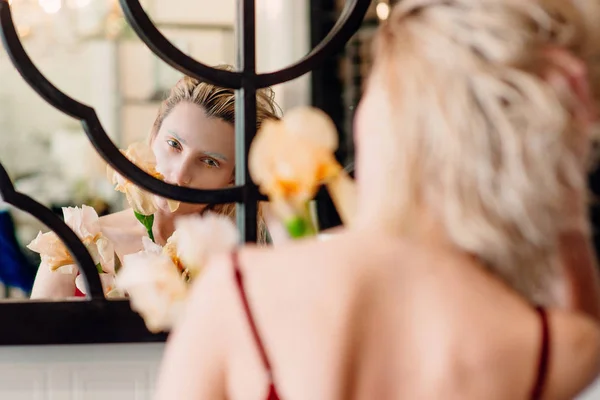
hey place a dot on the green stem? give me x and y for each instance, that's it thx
(301, 225)
(151, 234)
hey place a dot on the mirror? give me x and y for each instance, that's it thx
(88, 51)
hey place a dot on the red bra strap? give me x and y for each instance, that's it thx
(542, 370)
(240, 285)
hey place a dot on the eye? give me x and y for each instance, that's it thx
(210, 163)
(174, 144)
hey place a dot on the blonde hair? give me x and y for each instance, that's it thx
(480, 138)
(218, 103)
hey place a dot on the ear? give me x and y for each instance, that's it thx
(568, 75)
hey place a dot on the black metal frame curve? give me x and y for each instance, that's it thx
(52, 221)
(92, 126)
(343, 30)
(95, 319)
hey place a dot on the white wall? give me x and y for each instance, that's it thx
(99, 372)
(94, 372)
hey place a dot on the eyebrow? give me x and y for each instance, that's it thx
(172, 132)
(215, 155)
(206, 153)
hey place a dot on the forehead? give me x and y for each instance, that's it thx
(191, 124)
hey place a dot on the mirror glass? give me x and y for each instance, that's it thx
(87, 50)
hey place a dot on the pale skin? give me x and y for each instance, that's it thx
(340, 320)
(192, 150)
(370, 315)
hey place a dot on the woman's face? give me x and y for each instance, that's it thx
(194, 150)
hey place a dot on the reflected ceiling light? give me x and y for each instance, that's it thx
(383, 10)
(50, 6)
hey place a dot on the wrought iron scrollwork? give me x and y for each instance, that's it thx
(346, 26)
(98, 312)
(151, 36)
(343, 30)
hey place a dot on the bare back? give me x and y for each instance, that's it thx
(359, 317)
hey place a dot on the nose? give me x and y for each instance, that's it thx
(182, 175)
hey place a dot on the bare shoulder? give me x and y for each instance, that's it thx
(124, 231)
(340, 267)
(199, 341)
(213, 294)
(341, 247)
(574, 352)
(119, 219)
(216, 279)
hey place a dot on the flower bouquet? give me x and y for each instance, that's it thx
(85, 223)
(158, 279)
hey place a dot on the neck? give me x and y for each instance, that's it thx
(421, 225)
(164, 226)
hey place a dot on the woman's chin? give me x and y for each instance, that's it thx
(183, 209)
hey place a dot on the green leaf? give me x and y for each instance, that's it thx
(147, 221)
(117, 263)
(99, 268)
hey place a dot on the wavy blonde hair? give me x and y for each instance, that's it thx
(218, 103)
(480, 137)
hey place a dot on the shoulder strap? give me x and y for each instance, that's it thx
(259, 343)
(544, 358)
